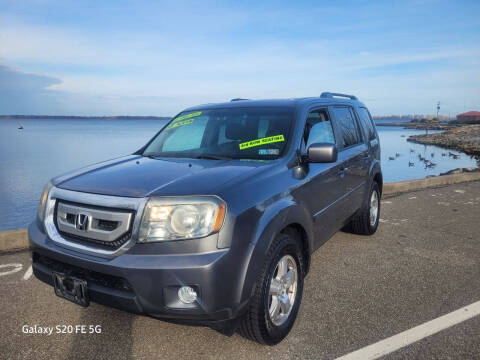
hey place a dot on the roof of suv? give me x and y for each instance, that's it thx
(293, 102)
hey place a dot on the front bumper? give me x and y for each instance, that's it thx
(148, 283)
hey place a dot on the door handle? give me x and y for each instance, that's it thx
(341, 171)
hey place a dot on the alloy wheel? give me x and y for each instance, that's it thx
(373, 208)
(283, 290)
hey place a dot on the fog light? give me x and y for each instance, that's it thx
(187, 295)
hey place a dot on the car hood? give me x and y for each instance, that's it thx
(138, 176)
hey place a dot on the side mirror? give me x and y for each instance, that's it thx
(322, 153)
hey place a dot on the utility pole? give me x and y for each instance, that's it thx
(438, 109)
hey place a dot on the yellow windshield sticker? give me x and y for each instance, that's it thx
(262, 141)
(179, 123)
(188, 116)
(183, 120)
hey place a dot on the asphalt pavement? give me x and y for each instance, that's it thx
(423, 262)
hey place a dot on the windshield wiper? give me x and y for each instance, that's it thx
(211, 157)
(201, 156)
(152, 156)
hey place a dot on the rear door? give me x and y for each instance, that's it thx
(370, 131)
(353, 155)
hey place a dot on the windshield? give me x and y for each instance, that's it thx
(236, 133)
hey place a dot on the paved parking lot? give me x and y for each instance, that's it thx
(423, 262)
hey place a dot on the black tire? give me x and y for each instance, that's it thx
(256, 324)
(360, 224)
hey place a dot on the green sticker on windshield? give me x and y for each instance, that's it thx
(183, 120)
(262, 141)
(188, 116)
(179, 123)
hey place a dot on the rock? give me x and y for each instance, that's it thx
(454, 171)
(461, 170)
(464, 138)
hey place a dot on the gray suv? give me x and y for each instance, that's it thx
(215, 219)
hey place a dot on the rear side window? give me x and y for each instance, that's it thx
(367, 121)
(350, 134)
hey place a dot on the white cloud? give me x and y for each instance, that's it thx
(137, 72)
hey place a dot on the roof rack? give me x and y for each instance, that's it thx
(331, 95)
(238, 99)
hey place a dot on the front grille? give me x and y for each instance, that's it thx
(107, 225)
(71, 218)
(97, 243)
(105, 228)
(109, 281)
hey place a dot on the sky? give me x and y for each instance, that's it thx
(62, 57)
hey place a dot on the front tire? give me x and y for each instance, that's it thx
(278, 294)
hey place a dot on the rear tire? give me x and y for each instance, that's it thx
(268, 319)
(365, 222)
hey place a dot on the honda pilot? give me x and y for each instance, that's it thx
(215, 219)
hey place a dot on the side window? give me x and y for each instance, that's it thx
(222, 138)
(350, 134)
(367, 121)
(263, 125)
(318, 128)
(187, 137)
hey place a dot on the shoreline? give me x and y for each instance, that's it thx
(420, 126)
(465, 138)
(68, 117)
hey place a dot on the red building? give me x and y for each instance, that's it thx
(469, 117)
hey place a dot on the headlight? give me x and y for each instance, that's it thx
(43, 201)
(178, 218)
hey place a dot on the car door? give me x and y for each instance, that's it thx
(370, 132)
(354, 157)
(322, 186)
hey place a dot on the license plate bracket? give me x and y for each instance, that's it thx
(71, 288)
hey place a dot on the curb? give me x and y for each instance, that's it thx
(432, 182)
(14, 240)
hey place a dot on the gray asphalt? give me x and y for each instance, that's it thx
(422, 263)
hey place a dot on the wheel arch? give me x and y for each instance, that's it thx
(375, 174)
(378, 178)
(286, 217)
(298, 232)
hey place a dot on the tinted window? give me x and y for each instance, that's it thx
(186, 137)
(318, 128)
(350, 134)
(367, 121)
(252, 133)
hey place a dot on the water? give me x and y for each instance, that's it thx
(46, 148)
(386, 121)
(408, 166)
